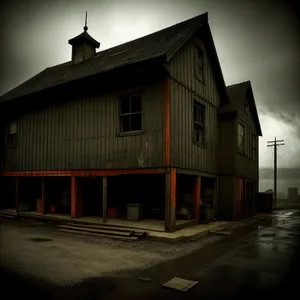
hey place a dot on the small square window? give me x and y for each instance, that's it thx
(199, 68)
(246, 109)
(11, 139)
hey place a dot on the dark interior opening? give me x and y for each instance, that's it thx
(185, 196)
(30, 190)
(90, 193)
(8, 192)
(146, 190)
(58, 195)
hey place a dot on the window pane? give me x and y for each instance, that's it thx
(12, 140)
(201, 116)
(195, 113)
(240, 129)
(241, 142)
(136, 103)
(125, 106)
(136, 122)
(13, 128)
(200, 57)
(125, 125)
(198, 134)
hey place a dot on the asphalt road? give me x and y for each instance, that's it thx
(263, 263)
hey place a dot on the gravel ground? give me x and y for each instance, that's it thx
(66, 259)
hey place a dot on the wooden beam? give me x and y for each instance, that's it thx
(74, 197)
(44, 200)
(86, 173)
(104, 198)
(17, 194)
(170, 201)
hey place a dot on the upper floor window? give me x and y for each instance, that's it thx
(253, 142)
(199, 123)
(247, 109)
(199, 68)
(241, 138)
(11, 140)
(131, 113)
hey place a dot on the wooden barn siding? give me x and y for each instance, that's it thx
(185, 87)
(82, 135)
(228, 146)
(246, 166)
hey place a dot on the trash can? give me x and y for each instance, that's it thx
(134, 212)
(205, 213)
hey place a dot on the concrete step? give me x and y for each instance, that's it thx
(8, 215)
(99, 230)
(100, 226)
(125, 238)
(139, 233)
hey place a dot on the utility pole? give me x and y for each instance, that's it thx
(275, 144)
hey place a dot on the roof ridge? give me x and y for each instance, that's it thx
(139, 38)
(153, 33)
(238, 83)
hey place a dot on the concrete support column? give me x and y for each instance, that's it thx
(170, 213)
(197, 198)
(17, 196)
(104, 198)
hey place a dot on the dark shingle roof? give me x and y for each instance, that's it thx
(237, 95)
(151, 46)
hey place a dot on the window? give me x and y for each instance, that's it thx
(253, 142)
(246, 109)
(241, 138)
(131, 113)
(12, 135)
(199, 132)
(199, 64)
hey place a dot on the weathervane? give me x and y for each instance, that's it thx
(85, 28)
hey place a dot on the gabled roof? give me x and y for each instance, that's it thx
(163, 43)
(237, 96)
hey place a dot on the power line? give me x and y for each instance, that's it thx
(275, 144)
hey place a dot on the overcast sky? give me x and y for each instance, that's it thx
(255, 40)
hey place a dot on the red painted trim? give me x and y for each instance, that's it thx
(197, 198)
(167, 122)
(73, 197)
(84, 173)
(173, 187)
(36, 173)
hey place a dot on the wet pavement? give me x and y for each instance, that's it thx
(265, 262)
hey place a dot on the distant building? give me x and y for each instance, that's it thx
(293, 194)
